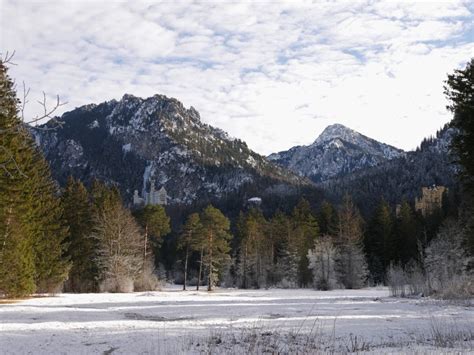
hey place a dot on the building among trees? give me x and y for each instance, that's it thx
(154, 197)
(431, 199)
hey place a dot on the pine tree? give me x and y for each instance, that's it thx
(255, 250)
(327, 219)
(16, 261)
(16, 247)
(190, 240)
(28, 202)
(459, 90)
(155, 223)
(407, 239)
(216, 231)
(285, 271)
(379, 242)
(48, 228)
(306, 231)
(78, 214)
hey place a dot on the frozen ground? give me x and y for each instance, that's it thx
(234, 321)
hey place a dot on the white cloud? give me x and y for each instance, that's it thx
(272, 74)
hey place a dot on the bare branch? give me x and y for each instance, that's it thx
(47, 112)
(7, 58)
(26, 92)
(9, 164)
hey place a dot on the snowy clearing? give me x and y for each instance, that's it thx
(235, 321)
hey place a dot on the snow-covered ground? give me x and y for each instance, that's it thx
(173, 321)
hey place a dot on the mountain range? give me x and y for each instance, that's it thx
(134, 143)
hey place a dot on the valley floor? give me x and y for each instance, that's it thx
(235, 321)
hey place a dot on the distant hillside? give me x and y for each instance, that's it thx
(400, 178)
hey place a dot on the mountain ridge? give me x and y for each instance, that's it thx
(134, 141)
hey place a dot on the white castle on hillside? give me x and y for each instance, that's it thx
(153, 197)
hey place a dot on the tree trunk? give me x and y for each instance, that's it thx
(185, 269)
(244, 285)
(200, 270)
(145, 245)
(209, 284)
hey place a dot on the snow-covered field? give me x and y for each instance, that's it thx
(233, 321)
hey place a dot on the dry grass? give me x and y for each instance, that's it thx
(441, 336)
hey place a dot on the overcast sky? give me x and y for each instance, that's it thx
(274, 74)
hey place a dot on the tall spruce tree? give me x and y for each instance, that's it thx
(306, 231)
(286, 261)
(379, 242)
(47, 227)
(82, 247)
(216, 231)
(459, 90)
(327, 219)
(31, 227)
(407, 235)
(190, 240)
(16, 247)
(255, 250)
(156, 224)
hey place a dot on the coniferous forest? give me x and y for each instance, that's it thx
(85, 237)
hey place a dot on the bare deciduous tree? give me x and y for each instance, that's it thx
(120, 257)
(321, 262)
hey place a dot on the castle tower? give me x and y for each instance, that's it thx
(162, 196)
(431, 199)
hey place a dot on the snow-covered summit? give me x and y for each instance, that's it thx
(337, 130)
(337, 151)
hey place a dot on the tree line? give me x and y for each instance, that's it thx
(82, 239)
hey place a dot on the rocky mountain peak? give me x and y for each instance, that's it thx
(337, 130)
(337, 151)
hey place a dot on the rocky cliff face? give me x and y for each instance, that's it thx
(135, 142)
(338, 151)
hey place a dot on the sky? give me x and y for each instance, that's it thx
(272, 73)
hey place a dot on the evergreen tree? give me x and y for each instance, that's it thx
(285, 272)
(255, 250)
(459, 90)
(379, 242)
(327, 219)
(48, 228)
(30, 212)
(216, 231)
(16, 261)
(156, 224)
(190, 240)
(16, 247)
(306, 231)
(406, 239)
(82, 248)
